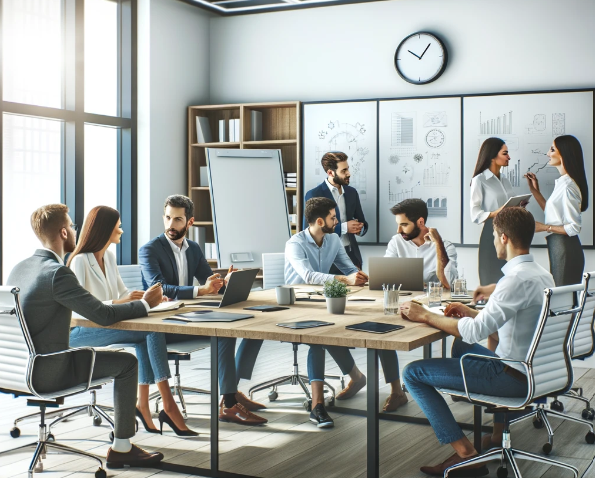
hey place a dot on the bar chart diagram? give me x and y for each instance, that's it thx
(499, 125)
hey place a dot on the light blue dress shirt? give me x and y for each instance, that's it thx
(306, 263)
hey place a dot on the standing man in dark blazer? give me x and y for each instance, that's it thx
(349, 209)
(174, 261)
(49, 293)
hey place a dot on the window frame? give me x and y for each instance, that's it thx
(74, 118)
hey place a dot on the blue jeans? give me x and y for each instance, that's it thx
(344, 359)
(422, 377)
(151, 350)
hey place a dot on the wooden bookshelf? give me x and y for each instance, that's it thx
(280, 130)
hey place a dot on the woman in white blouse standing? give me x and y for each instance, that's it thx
(95, 268)
(563, 210)
(489, 193)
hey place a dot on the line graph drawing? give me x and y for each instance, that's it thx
(395, 197)
(436, 175)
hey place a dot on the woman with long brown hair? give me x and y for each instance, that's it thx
(563, 210)
(96, 269)
(489, 193)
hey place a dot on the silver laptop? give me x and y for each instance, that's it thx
(396, 270)
(237, 290)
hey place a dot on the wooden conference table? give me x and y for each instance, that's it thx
(262, 326)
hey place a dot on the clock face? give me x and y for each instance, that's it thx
(420, 58)
(435, 138)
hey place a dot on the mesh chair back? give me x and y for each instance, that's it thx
(132, 277)
(549, 355)
(16, 346)
(273, 270)
(583, 344)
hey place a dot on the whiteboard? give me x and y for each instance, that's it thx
(420, 157)
(349, 127)
(528, 123)
(249, 204)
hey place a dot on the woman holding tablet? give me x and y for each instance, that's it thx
(489, 193)
(563, 210)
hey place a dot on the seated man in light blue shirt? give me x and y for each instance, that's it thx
(512, 313)
(309, 256)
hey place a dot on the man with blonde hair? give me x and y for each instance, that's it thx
(49, 293)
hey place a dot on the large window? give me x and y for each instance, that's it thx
(67, 116)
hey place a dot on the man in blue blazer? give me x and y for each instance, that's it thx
(349, 209)
(175, 261)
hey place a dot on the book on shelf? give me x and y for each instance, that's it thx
(255, 125)
(236, 126)
(294, 203)
(203, 130)
(289, 184)
(290, 175)
(222, 137)
(204, 176)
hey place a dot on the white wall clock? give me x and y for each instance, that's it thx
(421, 58)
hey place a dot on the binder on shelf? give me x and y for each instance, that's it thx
(232, 131)
(237, 130)
(290, 175)
(204, 176)
(222, 138)
(255, 125)
(203, 130)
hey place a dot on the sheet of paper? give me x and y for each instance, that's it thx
(165, 306)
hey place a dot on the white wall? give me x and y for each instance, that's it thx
(173, 74)
(346, 52)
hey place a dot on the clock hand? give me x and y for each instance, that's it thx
(414, 54)
(422, 55)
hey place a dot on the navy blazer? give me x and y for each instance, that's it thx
(353, 209)
(158, 264)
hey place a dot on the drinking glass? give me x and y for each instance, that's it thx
(460, 287)
(434, 294)
(391, 302)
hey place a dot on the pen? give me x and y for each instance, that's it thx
(416, 302)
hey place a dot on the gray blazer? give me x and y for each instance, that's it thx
(49, 294)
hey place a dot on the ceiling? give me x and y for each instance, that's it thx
(239, 7)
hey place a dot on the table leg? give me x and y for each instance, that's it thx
(373, 426)
(428, 351)
(214, 405)
(477, 419)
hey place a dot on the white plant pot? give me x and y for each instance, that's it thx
(336, 305)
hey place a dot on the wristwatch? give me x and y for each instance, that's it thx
(549, 229)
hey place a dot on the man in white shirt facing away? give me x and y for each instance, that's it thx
(512, 313)
(415, 240)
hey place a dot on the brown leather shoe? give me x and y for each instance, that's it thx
(135, 457)
(250, 405)
(239, 414)
(352, 388)
(394, 401)
(478, 469)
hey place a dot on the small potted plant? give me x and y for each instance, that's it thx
(336, 296)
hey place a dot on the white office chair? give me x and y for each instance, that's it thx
(273, 270)
(548, 368)
(182, 349)
(17, 364)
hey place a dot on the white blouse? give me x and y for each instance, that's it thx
(488, 193)
(563, 207)
(106, 288)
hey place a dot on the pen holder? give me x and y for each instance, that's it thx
(434, 294)
(391, 302)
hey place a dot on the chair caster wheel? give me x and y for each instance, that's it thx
(329, 402)
(15, 432)
(547, 448)
(404, 387)
(273, 396)
(538, 423)
(156, 407)
(588, 414)
(502, 472)
(307, 405)
(97, 421)
(39, 467)
(111, 436)
(100, 473)
(557, 406)
(590, 438)
(51, 437)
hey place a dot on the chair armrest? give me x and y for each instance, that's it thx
(62, 352)
(529, 397)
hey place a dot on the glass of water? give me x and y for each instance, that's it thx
(391, 302)
(434, 294)
(460, 287)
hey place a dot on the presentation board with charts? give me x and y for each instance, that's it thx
(349, 127)
(419, 144)
(528, 123)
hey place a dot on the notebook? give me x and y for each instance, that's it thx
(208, 317)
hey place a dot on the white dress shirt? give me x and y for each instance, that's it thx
(58, 258)
(563, 207)
(488, 193)
(513, 309)
(399, 247)
(106, 288)
(181, 262)
(340, 200)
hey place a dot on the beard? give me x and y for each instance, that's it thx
(340, 181)
(328, 230)
(174, 234)
(412, 235)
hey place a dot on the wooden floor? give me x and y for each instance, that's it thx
(289, 446)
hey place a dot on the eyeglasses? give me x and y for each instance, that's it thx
(74, 227)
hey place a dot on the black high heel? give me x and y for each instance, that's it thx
(145, 424)
(164, 417)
